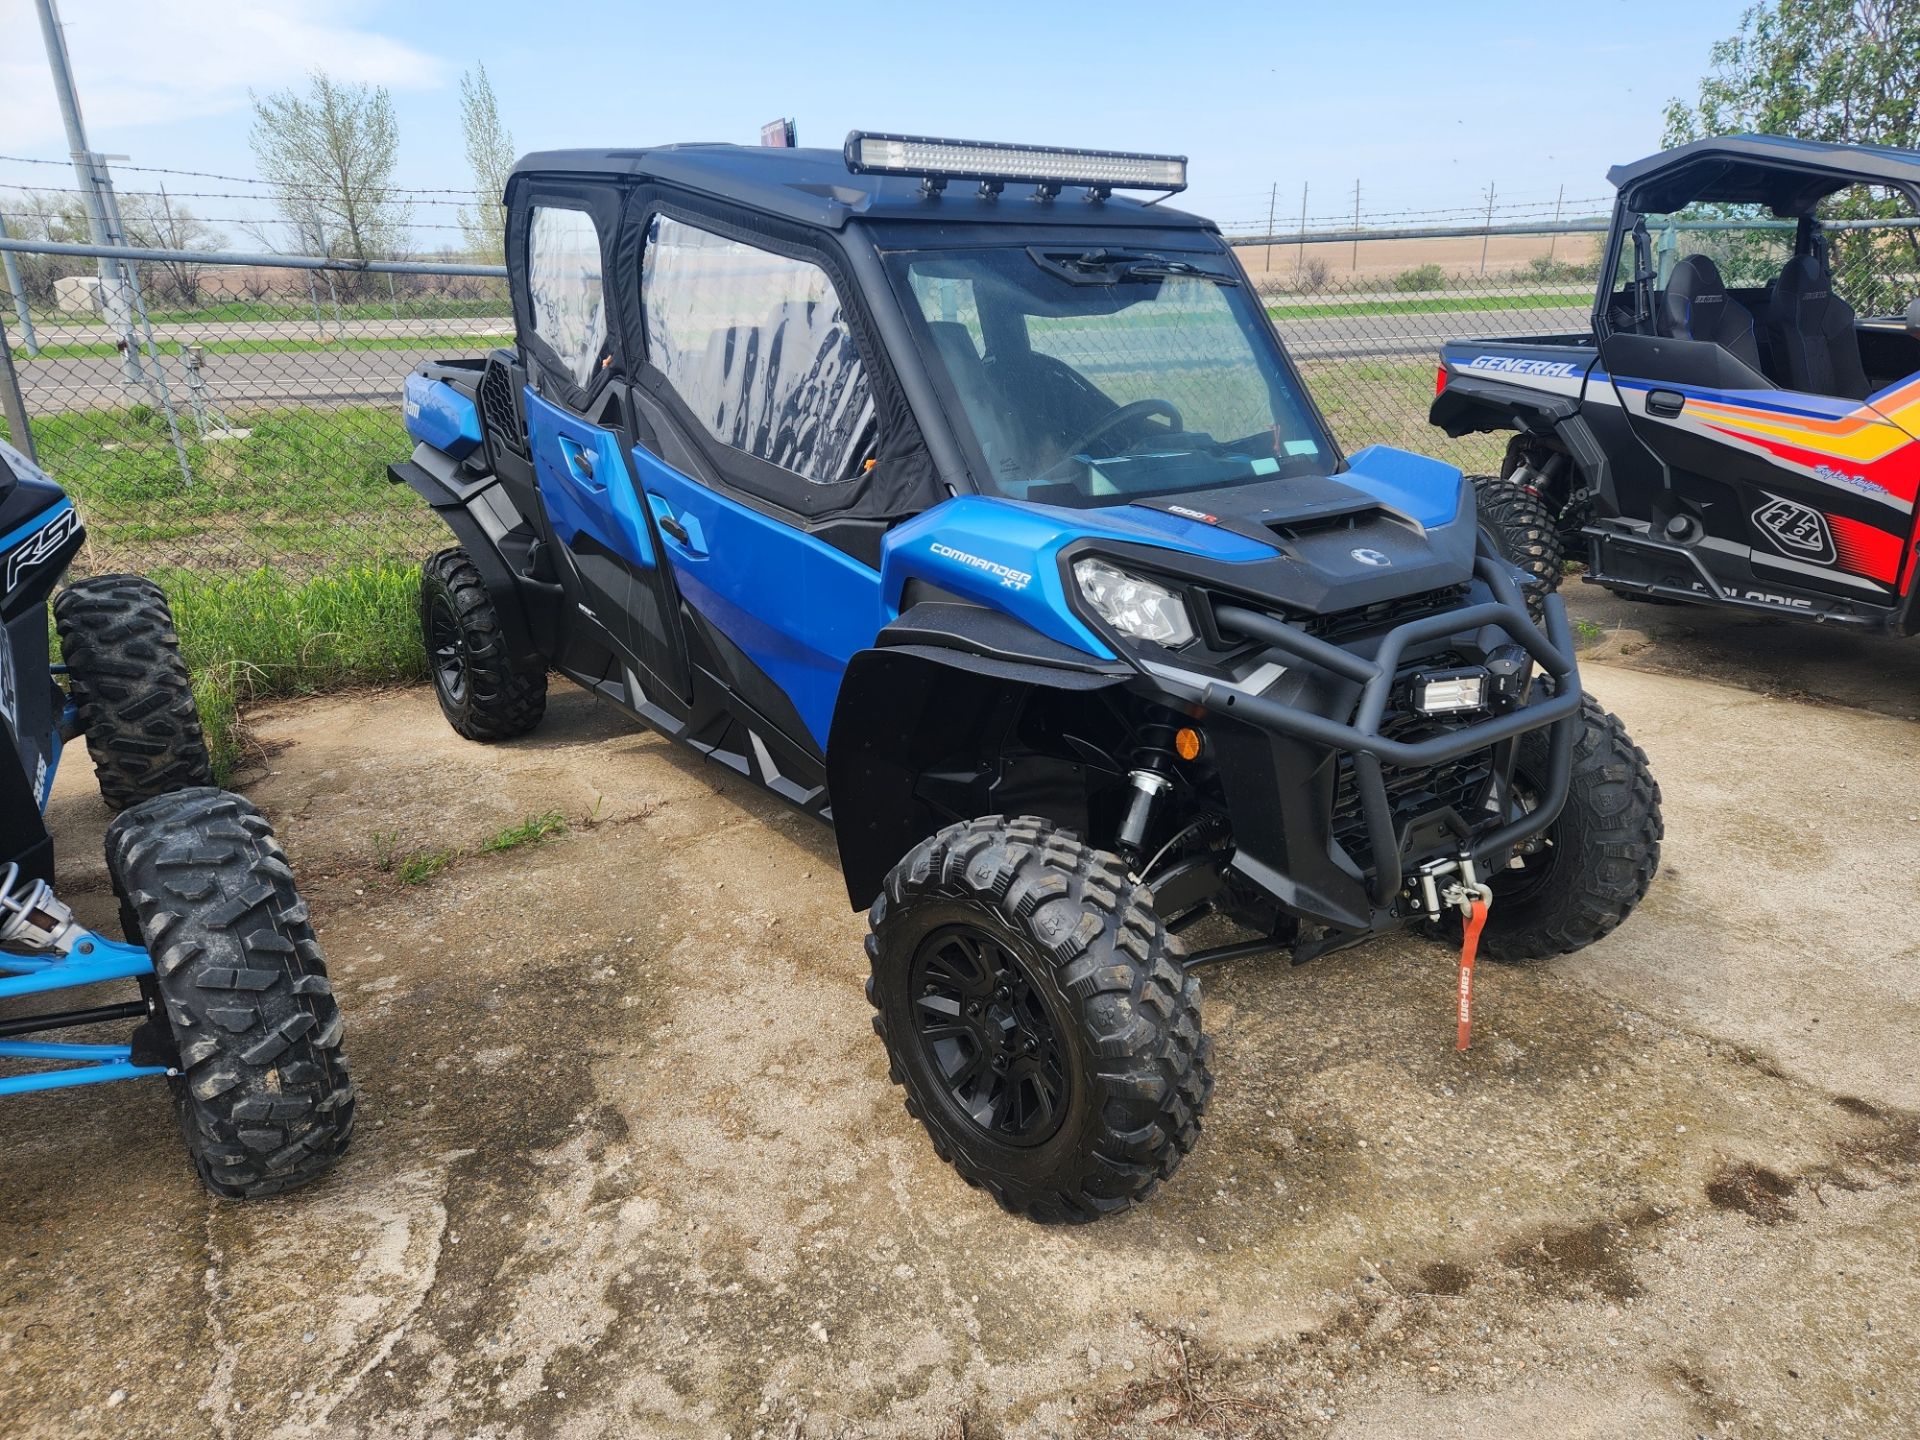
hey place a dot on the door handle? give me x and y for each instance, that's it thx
(579, 459)
(673, 527)
(1665, 403)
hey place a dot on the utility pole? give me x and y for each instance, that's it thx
(96, 189)
(1356, 226)
(1300, 250)
(28, 338)
(1272, 196)
(1486, 237)
(1558, 201)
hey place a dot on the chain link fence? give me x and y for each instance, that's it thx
(223, 413)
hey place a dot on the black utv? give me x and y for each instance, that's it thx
(1741, 426)
(978, 511)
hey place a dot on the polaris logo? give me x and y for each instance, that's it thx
(1370, 557)
(43, 544)
(1796, 529)
(1513, 365)
(1009, 577)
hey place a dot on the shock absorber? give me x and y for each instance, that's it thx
(30, 917)
(1145, 787)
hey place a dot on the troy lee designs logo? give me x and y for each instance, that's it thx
(1007, 575)
(1513, 365)
(41, 545)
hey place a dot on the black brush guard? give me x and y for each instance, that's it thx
(1556, 706)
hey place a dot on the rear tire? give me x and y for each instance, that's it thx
(482, 695)
(130, 688)
(263, 1095)
(1037, 1016)
(1524, 532)
(1598, 857)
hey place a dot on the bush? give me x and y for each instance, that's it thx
(1421, 277)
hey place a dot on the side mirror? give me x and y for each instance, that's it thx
(1913, 319)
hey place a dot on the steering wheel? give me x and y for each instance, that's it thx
(1133, 410)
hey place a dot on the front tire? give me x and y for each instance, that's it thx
(480, 692)
(1524, 533)
(1594, 863)
(130, 688)
(245, 1007)
(1038, 1018)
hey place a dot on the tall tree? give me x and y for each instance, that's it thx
(331, 155)
(490, 157)
(1843, 71)
(1838, 70)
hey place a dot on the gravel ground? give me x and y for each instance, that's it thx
(630, 1164)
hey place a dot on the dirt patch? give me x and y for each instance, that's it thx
(631, 1164)
(1754, 1191)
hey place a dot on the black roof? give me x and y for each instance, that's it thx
(1790, 176)
(815, 187)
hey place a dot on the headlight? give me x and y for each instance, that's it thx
(1133, 606)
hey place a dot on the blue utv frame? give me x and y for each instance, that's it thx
(34, 552)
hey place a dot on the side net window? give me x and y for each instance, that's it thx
(564, 288)
(758, 348)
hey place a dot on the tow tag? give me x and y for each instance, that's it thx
(1468, 894)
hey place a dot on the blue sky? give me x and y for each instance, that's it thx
(1425, 104)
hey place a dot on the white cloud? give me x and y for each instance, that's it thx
(138, 63)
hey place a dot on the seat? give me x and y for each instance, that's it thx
(1810, 333)
(1696, 306)
(993, 419)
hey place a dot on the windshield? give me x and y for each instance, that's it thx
(1094, 376)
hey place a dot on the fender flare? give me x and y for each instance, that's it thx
(452, 500)
(921, 695)
(1474, 404)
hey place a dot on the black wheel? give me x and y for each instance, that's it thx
(482, 695)
(1523, 531)
(1036, 1015)
(245, 1008)
(131, 688)
(1595, 862)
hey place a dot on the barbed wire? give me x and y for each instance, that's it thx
(309, 195)
(234, 179)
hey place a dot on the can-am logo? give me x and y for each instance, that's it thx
(1006, 574)
(1513, 365)
(43, 544)
(1797, 530)
(1370, 557)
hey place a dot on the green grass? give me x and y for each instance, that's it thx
(275, 345)
(410, 307)
(263, 635)
(1284, 310)
(305, 488)
(423, 865)
(530, 831)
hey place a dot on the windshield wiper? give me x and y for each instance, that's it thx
(1105, 267)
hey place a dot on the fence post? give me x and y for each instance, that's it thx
(27, 337)
(12, 403)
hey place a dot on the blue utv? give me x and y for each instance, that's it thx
(978, 511)
(234, 1007)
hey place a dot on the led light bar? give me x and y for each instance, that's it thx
(993, 164)
(1451, 691)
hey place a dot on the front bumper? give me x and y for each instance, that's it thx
(1297, 868)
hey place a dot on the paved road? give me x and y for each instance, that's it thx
(364, 376)
(630, 1163)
